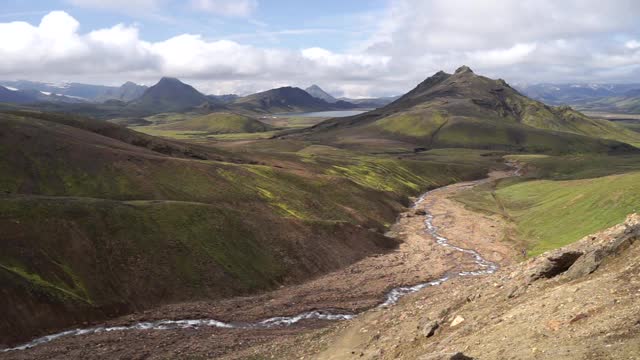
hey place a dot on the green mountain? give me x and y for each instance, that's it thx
(286, 99)
(467, 110)
(169, 95)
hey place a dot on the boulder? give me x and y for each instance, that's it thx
(553, 264)
(586, 264)
(420, 212)
(430, 327)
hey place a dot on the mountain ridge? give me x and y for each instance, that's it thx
(170, 95)
(286, 99)
(468, 110)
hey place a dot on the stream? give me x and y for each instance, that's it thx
(391, 298)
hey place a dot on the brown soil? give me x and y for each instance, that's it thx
(525, 311)
(352, 289)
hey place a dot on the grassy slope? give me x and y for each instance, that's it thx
(90, 221)
(578, 196)
(575, 122)
(466, 110)
(219, 123)
(630, 105)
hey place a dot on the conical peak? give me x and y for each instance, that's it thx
(464, 69)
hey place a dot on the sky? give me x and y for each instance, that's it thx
(355, 48)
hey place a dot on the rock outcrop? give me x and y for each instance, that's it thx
(576, 302)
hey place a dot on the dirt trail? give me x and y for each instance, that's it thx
(353, 289)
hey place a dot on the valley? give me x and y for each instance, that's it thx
(340, 295)
(178, 224)
(334, 180)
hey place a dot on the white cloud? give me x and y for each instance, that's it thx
(526, 40)
(240, 8)
(632, 44)
(523, 41)
(56, 48)
(502, 57)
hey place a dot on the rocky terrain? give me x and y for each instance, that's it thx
(577, 302)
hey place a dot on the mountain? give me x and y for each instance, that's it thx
(317, 92)
(286, 99)
(169, 95)
(83, 91)
(16, 96)
(219, 123)
(467, 110)
(127, 92)
(80, 92)
(573, 94)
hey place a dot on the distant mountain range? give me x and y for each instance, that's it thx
(13, 95)
(598, 97)
(168, 95)
(80, 92)
(567, 94)
(287, 99)
(372, 103)
(628, 103)
(624, 98)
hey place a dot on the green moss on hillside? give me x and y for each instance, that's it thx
(552, 213)
(412, 124)
(218, 123)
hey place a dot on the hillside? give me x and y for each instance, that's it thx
(467, 110)
(168, 95)
(133, 221)
(286, 99)
(219, 123)
(577, 302)
(628, 103)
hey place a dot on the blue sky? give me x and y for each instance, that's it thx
(330, 24)
(353, 48)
